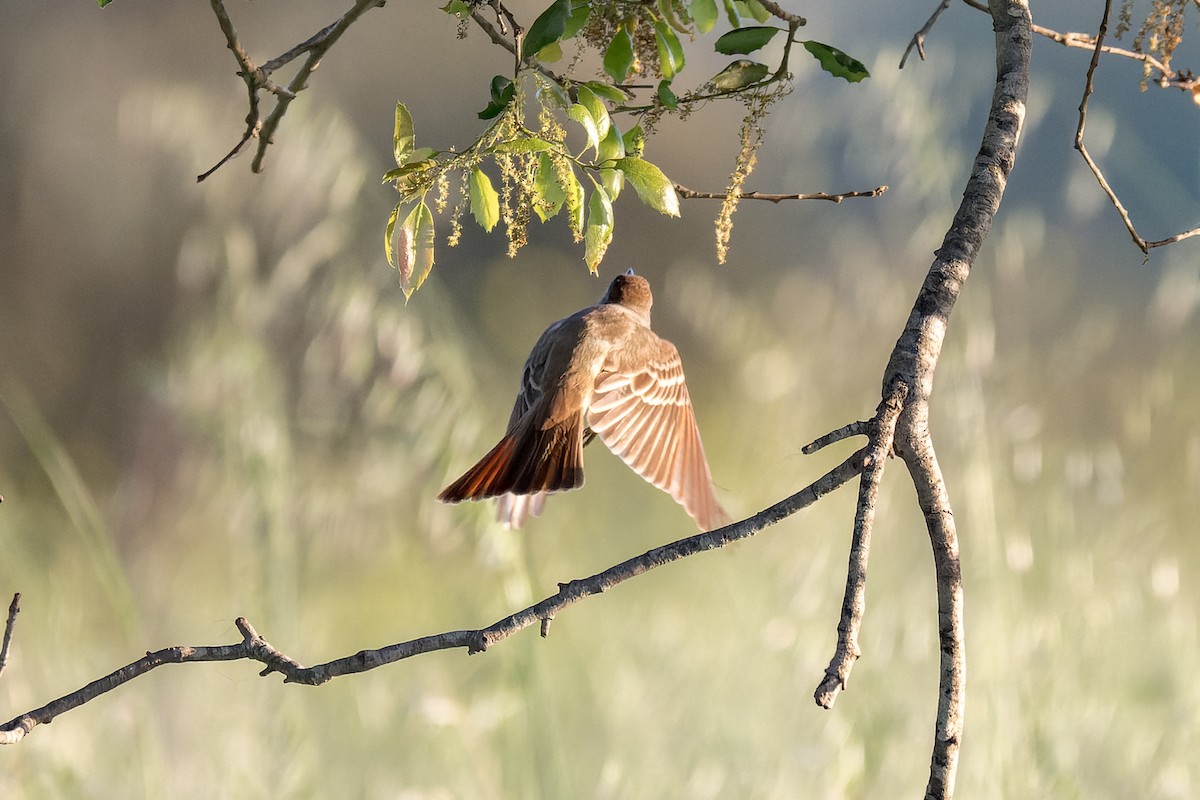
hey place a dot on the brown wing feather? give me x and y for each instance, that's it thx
(643, 413)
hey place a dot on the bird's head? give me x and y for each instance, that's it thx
(630, 290)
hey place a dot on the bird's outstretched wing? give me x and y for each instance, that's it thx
(642, 411)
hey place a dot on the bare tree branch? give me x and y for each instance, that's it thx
(916, 355)
(14, 608)
(918, 39)
(692, 194)
(258, 78)
(1088, 89)
(254, 647)
(881, 430)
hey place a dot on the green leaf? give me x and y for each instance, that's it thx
(666, 10)
(612, 149)
(670, 51)
(550, 54)
(608, 92)
(704, 14)
(745, 40)
(574, 204)
(666, 96)
(103, 3)
(613, 181)
(389, 233)
(597, 110)
(634, 141)
(753, 8)
(485, 203)
(547, 28)
(556, 91)
(531, 144)
(837, 63)
(652, 186)
(457, 8)
(580, 114)
(575, 22)
(739, 74)
(618, 58)
(404, 138)
(731, 14)
(599, 227)
(502, 91)
(414, 271)
(547, 188)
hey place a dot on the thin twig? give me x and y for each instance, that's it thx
(258, 78)
(1088, 89)
(14, 608)
(844, 432)
(692, 194)
(779, 12)
(882, 430)
(256, 648)
(918, 39)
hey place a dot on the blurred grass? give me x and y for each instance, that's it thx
(285, 448)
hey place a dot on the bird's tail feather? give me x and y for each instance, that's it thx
(526, 461)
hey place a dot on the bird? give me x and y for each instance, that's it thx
(600, 372)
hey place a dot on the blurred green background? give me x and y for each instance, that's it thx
(216, 403)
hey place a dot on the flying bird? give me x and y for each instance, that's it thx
(599, 372)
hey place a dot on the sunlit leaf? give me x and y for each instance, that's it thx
(547, 189)
(612, 146)
(404, 138)
(745, 40)
(550, 54)
(731, 14)
(634, 141)
(531, 144)
(753, 8)
(485, 203)
(580, 114)
(704, 14)
(599, 231)
(613, 181)
(618, 58)
(666, 96)
(652, 186)
(670, 51)
(419, 227)
(612, 149)
(608, 92)
(666, 10)
(574, 205)
(457, 8)
(837, 63)
(389, 234)
(547, 28)
(739, 74)
(103, 3)
(597, 110)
